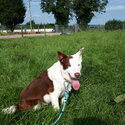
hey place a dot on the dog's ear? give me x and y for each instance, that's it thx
(62, 57)
(81, 50)
(79, 53)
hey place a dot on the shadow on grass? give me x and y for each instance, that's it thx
(89, 121)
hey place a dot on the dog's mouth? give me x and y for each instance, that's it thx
(75, 83)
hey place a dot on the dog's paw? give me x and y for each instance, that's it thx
(37, 107)
(63, 100)
(56, 109)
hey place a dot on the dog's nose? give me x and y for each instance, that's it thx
(77, 75)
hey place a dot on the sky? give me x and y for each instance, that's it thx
(115, 9)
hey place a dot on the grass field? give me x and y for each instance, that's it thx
(103, 77)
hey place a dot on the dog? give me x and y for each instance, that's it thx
(50, 85)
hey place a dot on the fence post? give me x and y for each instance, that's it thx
(76, 28)
(2, 28)
(44, 30)
(25, 30)
(123, 27)
(99, 27)
(62, 29)
(56, 28)
(38, 29)
(21, 31)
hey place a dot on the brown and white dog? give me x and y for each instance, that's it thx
(49, 86)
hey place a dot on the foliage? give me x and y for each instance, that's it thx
(113, 25)
(32, 21)
(85, 9)
(60, 8)
(123, 22)
(48, 25)
(11, 13)
(102, 79)
(36, 26)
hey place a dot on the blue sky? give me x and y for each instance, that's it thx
(114, 10)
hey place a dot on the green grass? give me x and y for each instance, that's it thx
(103, 77)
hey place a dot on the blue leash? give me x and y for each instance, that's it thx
(63, 108)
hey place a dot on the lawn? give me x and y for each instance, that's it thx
(103, 77)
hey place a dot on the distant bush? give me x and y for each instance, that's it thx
(113, 25)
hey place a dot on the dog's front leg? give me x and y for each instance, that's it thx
(62, 100)
(55, 101)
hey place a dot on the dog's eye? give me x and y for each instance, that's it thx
(78, 64)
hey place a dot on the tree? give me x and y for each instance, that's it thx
(11, 13)
(60, 8)
(113, 25)
(32, 21)
(84, 9)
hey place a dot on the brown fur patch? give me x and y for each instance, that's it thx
(64, 60)
(35, 92)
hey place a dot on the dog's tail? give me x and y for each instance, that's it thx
(10, 110)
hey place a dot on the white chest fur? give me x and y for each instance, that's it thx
(59, 84)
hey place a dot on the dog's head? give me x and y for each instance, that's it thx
(71, 65)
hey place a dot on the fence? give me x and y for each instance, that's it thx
(78, 28)
(56, 29)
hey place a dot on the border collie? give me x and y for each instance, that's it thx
(50, 85)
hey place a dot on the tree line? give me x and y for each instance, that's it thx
(13, 12)
(114, 25)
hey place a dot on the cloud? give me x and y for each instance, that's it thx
(119, 1)
(116, 8)
(35, 3)
(37, 15)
